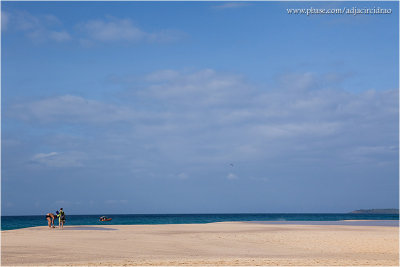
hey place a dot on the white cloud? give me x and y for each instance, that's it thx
(207, 116)
(370, 154)
(206, 87)
(25, 21)
(59, 36)
(5, 17)
(232, 176)
(115, 30)
(72, 109)
(299, 81)
(162, 75)
(59, 160)
(230, 116)
(38, 28)
(41, 156)
(297, 129)
(42, 28)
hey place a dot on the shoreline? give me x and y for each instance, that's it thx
(388, 223)
(216, 244)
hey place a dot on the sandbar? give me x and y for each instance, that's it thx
(213, 244)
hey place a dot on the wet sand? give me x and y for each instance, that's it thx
(227, 243)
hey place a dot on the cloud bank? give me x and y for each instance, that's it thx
(47, 27)
(206, 116)
(38, 28)
(58, 160)
(114, 29)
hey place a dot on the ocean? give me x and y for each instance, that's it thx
(17, 222)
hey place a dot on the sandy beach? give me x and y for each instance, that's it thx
(227, 243)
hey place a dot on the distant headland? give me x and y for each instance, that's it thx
(377, 211)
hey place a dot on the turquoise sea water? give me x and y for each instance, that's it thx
(16, 222)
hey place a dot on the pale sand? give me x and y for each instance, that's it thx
(228, 243)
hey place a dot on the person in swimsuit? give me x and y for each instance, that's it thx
(61, 218)
(50, 219)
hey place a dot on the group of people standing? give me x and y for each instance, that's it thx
(60, 214)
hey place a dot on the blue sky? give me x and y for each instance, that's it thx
(198, 107)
